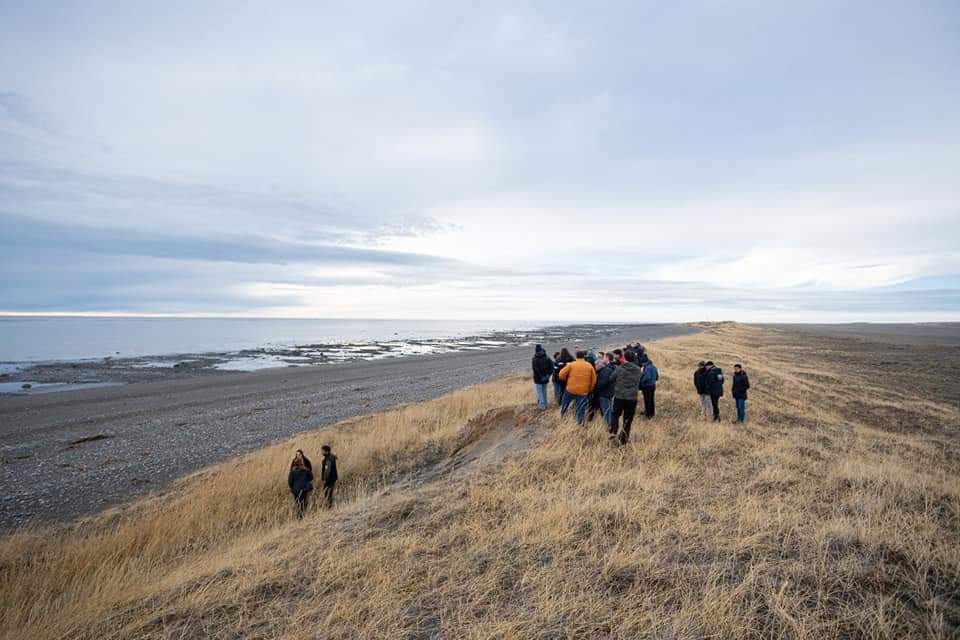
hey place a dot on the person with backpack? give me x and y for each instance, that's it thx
(626, 379)
(648, 387)
(560, 360)
(738, 389)
(700, 384)
(542, 370)
(580, 378)
(714, 385)
(300, 481)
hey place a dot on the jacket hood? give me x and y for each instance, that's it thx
(539, 351)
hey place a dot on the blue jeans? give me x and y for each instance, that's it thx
(741, 409)
(541, 394)
(557, 391)
(606, 408)
(581, 406)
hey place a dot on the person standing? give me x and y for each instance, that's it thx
(580, 379)
(560, 360)
(328, 475)
(738, 388)
(648, 387)
(542, 369)
(626, 380)
(700, 383)
(605, 387)
(300, 481)
(714, 386)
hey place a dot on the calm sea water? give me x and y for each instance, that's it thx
(26, 339)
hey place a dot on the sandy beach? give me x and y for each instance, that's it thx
(74, 453)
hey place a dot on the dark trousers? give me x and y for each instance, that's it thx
(715, 401)
(302, 499)
(626, 408)
(328, 495)
(649, 409)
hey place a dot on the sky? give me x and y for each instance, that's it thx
(617, 161)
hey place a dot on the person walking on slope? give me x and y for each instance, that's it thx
(648, 387)
(560, 360)
(580, 379)
(738, 389)
(328, 475)
(605, 387)
(300, 481)
(714, 385)
(542, 369)
(626, 385)
(700, 383)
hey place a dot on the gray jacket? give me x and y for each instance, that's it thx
(626, 381)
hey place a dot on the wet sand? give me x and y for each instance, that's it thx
(67, 454)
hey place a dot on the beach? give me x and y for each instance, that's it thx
(74, 453)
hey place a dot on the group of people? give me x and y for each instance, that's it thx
(708, 381)
(608, 383)
(300, 478)
(611, 384)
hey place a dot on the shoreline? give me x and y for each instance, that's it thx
(73, 375)
(65, 455)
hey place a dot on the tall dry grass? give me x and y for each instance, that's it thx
(821, 517)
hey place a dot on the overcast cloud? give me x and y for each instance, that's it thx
(574, 161)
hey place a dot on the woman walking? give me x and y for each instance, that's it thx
(300, 481)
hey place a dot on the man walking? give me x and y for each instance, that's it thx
(626, 380)
(648, 387)
(542, 369)
(714, 386)
(739, 388)
(328, 475)
(580, 379)
(700, 384)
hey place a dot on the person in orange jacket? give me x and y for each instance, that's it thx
(580, 378)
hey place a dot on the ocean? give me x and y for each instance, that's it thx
(42, 339)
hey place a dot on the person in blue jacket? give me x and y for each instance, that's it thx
(648, 387)
(738, 389)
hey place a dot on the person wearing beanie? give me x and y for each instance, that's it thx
(542, 370)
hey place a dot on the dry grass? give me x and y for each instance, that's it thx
(823, 517)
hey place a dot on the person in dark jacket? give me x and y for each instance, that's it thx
(700, 384)
(738, 388)
(626, 385)
(714, 385)
(542, 369)
(328, 474)
(605, 387)
(559, 362)
(300, 481)
(648, 387)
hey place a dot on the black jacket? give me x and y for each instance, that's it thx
(300, 480)
(558, 367)
(740, 385)
(542, 367)
(699, 380)
(328, 471)
(713, 381)
(605, 381)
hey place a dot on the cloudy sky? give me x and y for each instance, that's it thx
(566, 161)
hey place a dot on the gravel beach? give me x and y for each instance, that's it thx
(64, 455)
